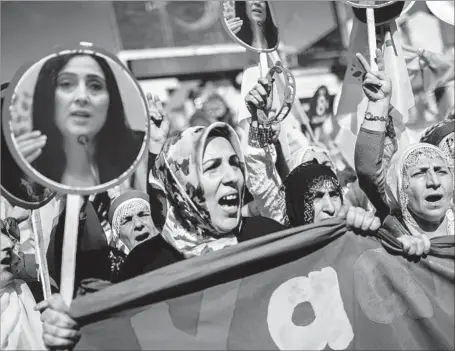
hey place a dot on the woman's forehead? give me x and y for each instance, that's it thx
(83, 65)
(218, 146)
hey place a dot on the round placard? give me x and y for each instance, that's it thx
(252, 24)
(76, 121)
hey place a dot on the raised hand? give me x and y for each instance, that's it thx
(30, 144)
(377, 86)
(260, 98)
(159, 121)
(234, 24)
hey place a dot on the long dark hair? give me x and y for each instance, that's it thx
(116, 145)
(246, 33)
(13, 179)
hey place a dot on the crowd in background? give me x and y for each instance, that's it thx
(213, 182)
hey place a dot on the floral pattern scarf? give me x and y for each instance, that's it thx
(178, 167)
(397, 182)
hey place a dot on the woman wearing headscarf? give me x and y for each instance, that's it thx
(419, 190)
(417, 185)
(264, 180)
(202, 171)
(312, 193)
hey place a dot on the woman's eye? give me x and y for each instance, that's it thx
(211, 166)
(334, 194)
(235, 161)
(96, 86)
(65, 84)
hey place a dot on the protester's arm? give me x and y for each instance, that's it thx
(264, 183)
(369, 151)
(159, 130)
(281, 164)
(263, 180)
(370, 169)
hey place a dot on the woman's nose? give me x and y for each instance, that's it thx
(82, 94)
(433, 179)
(329, 207)
(137, 222)
(230, 175)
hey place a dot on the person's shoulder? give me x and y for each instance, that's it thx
(255, 227)
(148, 256)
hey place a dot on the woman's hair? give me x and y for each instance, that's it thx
(13, 179)
(313, 113)
(246, 33)
(116, 145)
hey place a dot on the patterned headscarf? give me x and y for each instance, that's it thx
(127, 204)
(397, 179)
(301, 186)
(178, 167)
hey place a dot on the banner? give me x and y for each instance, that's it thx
(316, 287)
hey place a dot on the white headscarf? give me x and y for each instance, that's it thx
(397, 182)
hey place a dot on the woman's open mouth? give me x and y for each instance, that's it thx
(230, 203)
(142, 237)
(434, 199)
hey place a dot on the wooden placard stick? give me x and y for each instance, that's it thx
(69, 249)
(40, 252)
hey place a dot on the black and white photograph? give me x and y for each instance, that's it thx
(227, 175)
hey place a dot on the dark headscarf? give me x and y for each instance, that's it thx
(300, 188)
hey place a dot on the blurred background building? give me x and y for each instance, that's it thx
(179, 50)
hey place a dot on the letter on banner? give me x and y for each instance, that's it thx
(331, 324)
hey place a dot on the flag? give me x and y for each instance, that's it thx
(316, 287)
(353, 103)
(428, 69)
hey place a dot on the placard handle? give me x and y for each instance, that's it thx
(371, 24)
(69, 249)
